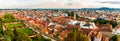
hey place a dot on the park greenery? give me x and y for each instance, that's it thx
(15, 34)
(103, 21)
(26, 30)
(15, 25)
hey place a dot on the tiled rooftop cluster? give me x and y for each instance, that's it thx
(59, 24)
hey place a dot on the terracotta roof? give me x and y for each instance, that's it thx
(58, 28)
(69, 17)
(63, 34)
(86, 31)
(104, 27)
(51, 26)
(118, 26)
(44, 29)
(69, 26)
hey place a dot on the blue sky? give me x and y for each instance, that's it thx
(59, 3)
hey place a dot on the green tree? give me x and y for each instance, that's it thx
(45, 39)
(70, 37)
(76, 36)
(1, 36)
(40, 38)
(116, 38)
(21, 36)
(7, 38)
(69, 13)
(9, 33)
(9, 18)
(102, 21)
(1, 26)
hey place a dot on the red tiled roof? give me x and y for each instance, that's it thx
(104, 27)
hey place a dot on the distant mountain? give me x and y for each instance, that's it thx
(102, 8)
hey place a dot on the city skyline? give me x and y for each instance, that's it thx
(59, 3)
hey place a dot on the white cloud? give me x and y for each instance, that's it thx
(56, 4)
